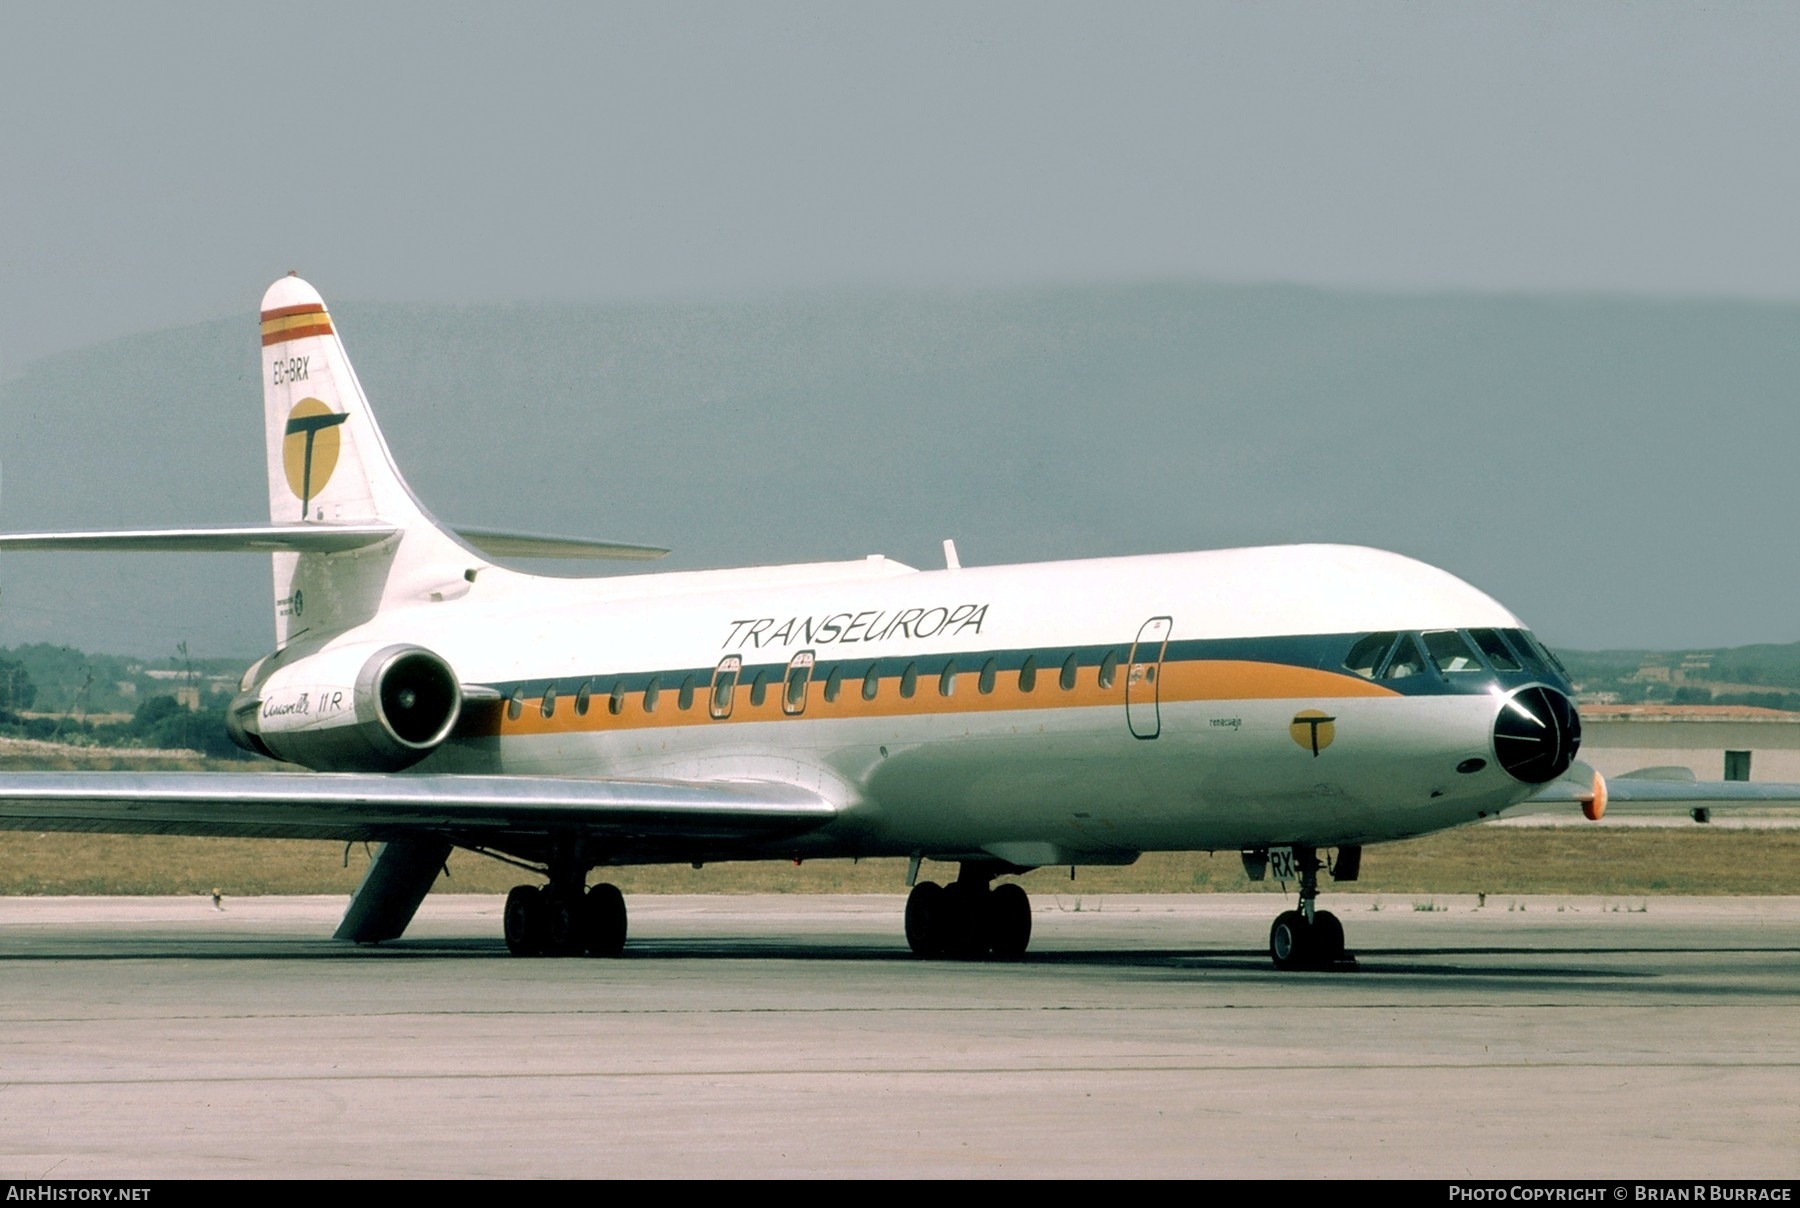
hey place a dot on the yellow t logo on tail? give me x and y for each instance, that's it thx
(309, 448)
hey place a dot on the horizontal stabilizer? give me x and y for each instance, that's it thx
(311, 539)
(379, 807)
(246, 539)
(497, 544)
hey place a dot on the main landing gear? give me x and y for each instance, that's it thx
(540, 921)
(1307, 938)
(968, 920)
(563, 919)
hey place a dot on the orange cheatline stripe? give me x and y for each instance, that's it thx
(305, 308)
(1223, 680)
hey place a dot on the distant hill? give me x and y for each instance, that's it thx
(1616, 471)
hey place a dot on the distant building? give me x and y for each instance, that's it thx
(1715, 742)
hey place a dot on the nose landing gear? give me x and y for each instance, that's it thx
(1308, 938)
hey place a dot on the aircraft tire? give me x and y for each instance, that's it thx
(1328, 939)
(965, 914)
(561, 923)
(603, 920)
(524, 921)
(1008, 921)
(926, 914)
(1291, 941)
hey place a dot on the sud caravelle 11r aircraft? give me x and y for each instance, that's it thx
(1283, 702)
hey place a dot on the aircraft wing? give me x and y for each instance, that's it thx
(358, 806)
(1652, 791)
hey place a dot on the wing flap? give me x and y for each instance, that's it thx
(375, 807)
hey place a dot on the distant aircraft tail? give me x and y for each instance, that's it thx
(328, 465)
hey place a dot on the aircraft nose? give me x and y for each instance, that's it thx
(1536, 734)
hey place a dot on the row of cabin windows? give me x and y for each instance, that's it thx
(794, 693)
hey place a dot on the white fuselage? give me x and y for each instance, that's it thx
(1182, 724)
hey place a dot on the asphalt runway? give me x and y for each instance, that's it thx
(773, 1036)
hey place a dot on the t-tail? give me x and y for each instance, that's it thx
(330, 468)
(348, 537)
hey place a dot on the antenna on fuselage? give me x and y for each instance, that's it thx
(951, 561)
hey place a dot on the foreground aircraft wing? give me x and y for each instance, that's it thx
(314, 539)
(356, 806)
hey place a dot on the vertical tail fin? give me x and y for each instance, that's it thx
(328, 464)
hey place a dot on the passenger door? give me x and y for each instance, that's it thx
(1143, 689)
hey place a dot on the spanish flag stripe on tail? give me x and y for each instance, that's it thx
(293, 322)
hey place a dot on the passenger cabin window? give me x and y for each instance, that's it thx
(724, 686)
(759, 687)
(1450, 652)
(1493, 647)
(1109, 668)
(1405, 660)
(684, 700)
(1365, 657)
(990, 671)
(834, 683)
(909, 680)
(947, 681)
(547, 706)
(1028, 673)
(1070, 666)
(615, 704)
(799, 675)
(652, 694)
(515, 704)
(583, 697)
(872, 681)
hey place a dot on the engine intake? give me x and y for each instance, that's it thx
(1536, 734)
(353, 709)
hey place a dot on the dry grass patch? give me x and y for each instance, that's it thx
(1601, 860)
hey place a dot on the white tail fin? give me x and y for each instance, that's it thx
(328, 465)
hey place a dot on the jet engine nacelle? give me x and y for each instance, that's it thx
(359, 708)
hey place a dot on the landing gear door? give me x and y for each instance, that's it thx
(1143, 688)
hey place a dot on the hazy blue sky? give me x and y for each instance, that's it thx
(163, 162)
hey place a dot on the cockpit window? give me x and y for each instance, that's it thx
(1405, 660)
(1494, 647)
(1544, 652)
(1450, 652)
(1365, 657)
(1530, 653)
